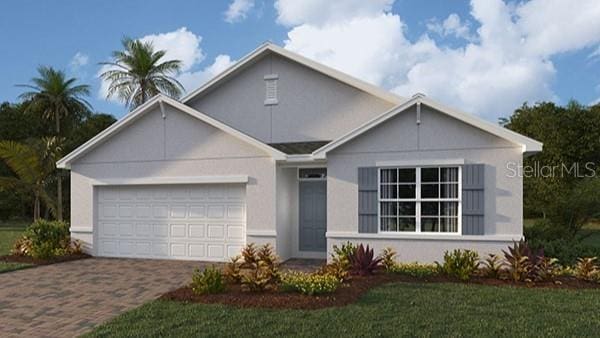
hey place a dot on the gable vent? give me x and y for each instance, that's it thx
(271, 89)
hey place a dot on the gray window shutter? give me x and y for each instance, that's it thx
(367, 200)
(473, 199)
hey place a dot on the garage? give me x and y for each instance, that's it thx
(190, 222)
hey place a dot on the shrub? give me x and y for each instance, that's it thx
(341, 255)
(22, 247)
(362, 261)
(309, 283)
(545, 268)
(492, 266)
(208, 281)
(233, 270)
(258, 271)
(527, 264)
(48, 238)
(461, 264)
(388, 260)
(336, 268)
(415, 269)
(565, 250)
(587, 269)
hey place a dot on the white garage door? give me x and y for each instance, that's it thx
(194, 222)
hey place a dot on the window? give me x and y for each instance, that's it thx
(271, 89)
(312, 173)
(421, 199)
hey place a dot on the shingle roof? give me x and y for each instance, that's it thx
(298, 148)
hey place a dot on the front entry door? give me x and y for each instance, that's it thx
(313, 215)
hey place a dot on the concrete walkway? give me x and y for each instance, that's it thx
(68, 299)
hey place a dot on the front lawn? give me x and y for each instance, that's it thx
(9, 233)
(9, 266)
(401, 309)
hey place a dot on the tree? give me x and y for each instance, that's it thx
(58, 98)
(33, 165)
(136, 73)
(571, 137)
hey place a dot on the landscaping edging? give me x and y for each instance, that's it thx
(347, 294)
(35, 261)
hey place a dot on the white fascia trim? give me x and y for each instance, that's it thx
(268, 46)
(172, 180)
(422, 236)
(423, 162)
(527, 144)
(261, 233)
(65, 162)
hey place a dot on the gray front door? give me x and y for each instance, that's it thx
(313, 215)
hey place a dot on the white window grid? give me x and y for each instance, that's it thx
(418, 199)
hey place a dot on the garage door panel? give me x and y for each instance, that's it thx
(197, 231)
(204, 222)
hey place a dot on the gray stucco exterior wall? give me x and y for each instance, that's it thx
(437, 138)
(177, 146)
(311, 107)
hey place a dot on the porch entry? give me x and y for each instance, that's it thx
(313, 209)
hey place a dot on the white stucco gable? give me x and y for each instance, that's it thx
(144, 146)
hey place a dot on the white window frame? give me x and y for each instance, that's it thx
(418, 200)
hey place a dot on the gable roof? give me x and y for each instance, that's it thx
(269, 47)
(528, 145)
(160, 100)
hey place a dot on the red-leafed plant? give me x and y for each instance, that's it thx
(363, 261)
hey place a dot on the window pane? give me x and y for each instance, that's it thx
(429, 208)
(449, 209)
(449, 174)
(449, 224)
(389, 224)
(389, 209)
(389, 175)
(407, 208)
(407, 175)
(389, 191)
(314, 173)
(429, 175)
(406, 191)
(407, 224)
(429, 190)
(449, 190)
(430, 224)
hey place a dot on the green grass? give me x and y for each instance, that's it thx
(391, 310)
(9, 232)
(6, 267)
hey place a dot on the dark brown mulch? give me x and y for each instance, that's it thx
(346, 294)
(35, 261)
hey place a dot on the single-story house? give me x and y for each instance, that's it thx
(281, 149)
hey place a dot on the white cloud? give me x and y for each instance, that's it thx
(193, 80)
(79, 60)
(183, 45)
(318, 12)
(451, 26)
(504, 63)
(238, 10)
(180, 45)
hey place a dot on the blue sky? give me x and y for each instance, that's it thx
(461, 53)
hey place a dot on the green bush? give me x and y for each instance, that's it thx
(309, 283)
(565, 250)
(415, 269)
(208, 281)
(461, 264)
(48, 238)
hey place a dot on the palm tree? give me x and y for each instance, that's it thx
(136, 73)
(58, 98)
(33, 165)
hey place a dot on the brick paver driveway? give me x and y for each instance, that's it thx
(68, 299)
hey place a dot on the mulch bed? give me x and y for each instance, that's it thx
(348, 293)
(35, 261)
